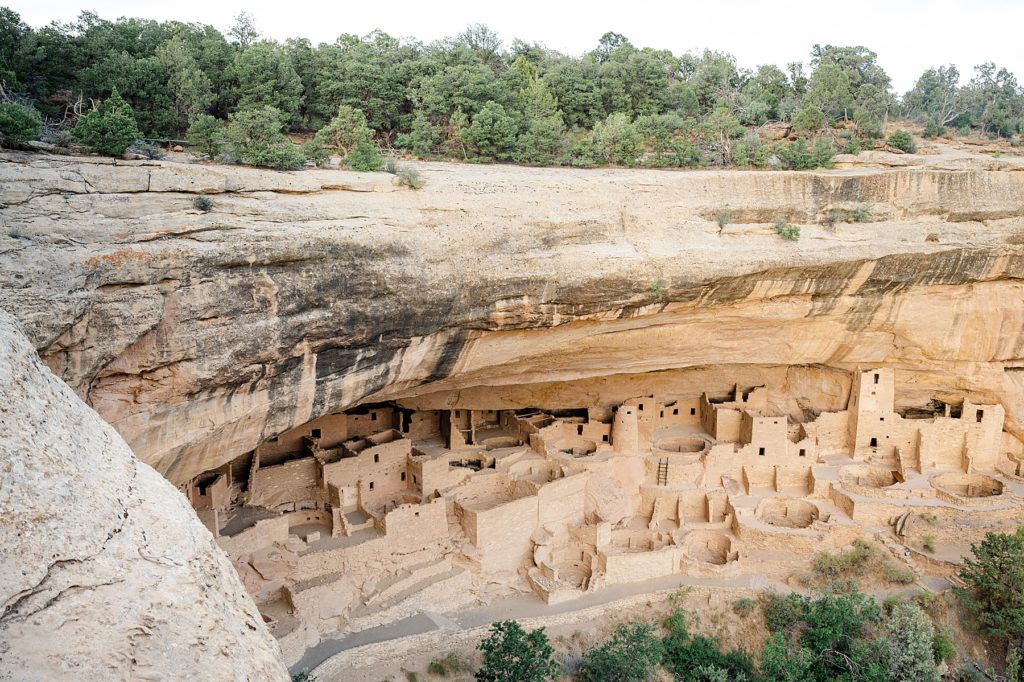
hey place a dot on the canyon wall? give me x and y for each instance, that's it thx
(198, 334)
(105, 571)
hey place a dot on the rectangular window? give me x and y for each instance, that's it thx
(662, 413)
(376, 458)
(579, 430)
(403, 475)
(458, 413)
(414, 479)
(641, 407)
(675, 411)
(605, 438)
(693, 411)
(980, 415)
(371, 485)
(874, 442)
(803, 453)
(876, 378)
(315, 433)
(760, 451)
(373, 416)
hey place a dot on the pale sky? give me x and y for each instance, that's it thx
(908, 35)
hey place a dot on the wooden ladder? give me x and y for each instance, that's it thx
(662, 472)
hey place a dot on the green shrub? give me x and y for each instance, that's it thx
(408, 177)
(931, 129)
(852, 146)
(365, 157)
(19, 123)
(744, 606)
(493, 132)
(808, 120)
(842, 564)
(345, 132)
(928, 542)
(796, 155)
(686, 655)
(203, 203)
(994, 578)
(315, 152)
(788, 232)
(911, 645)
(256, 137)
(903, 141)
(110, 128)
(943, 646)
(724, 218)
(150, 151)
(206, 134)
(449, 664)
(823, 153)
(630, 655)
(513, 655)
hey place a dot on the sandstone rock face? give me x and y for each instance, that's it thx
(105, 572)
(199, 334)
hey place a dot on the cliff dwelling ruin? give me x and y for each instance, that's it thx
(335, 523)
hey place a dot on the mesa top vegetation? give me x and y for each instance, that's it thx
(471, 97)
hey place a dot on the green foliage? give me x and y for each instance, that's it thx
(903, 141)
(19, 123)
(823, 639)
(264, 76)
(928, 542)
(206, 134)
(791, 233)
(203, 203)
(854, 561)
(493, 132)
(345, 132)
(796, 155)
(724, 217)
(744, 606)
(256, 138)
(513, 655)
(995, 584)
(365, 157)
(690, 658)
(630, 655)
(110, 128)
(449, 664)
(314, 151)
(893, 573)
(617, 141)
(943, 646)
(911, 638)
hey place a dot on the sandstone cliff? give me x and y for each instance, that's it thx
(105, 572)
(198, 334)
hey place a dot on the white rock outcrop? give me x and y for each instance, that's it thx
(105, 571)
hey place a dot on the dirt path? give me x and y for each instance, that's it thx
(519, 607)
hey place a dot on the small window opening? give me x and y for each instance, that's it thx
(373, 416)
(371, 485)
(693, 411)
(874, 442)
(876, 378)
(579, 430)
(675, 411)
(416, 514)
(605, 438)
(881, 419)
(640, 407)
(414, 479)
(760, 451)
(803, 452)
(315, 433)
(403, 475)
(980, 415)
(662, 413)
(376, 459)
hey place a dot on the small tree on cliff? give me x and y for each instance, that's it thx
(513, 655)
(110, 128)
(995, 584)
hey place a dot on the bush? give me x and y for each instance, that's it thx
(903, 141)
(449, 664)
(493, 132)
(928, 542)
(744, 606)
(150, 151)
(206, 134)
(994, 580)
(203, 203)
(838, 565)
(808, 120)
(895, 574)
(617, 140)
(315, 152)
(796, 155)
(789, 233)
(931, 129)
(824, 639)
(686, 655)
(110, 128)
(911, 639)
(629, 656)
(512, 655)
(19, 123)
(409, 177)
(256, 138)
(943, 646)
(345, 132)
(365, 158)
(724, 218)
